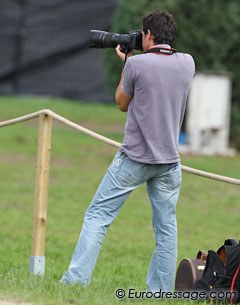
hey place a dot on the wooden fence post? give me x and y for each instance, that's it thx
(37, 260)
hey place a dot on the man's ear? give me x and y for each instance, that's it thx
(150, 35)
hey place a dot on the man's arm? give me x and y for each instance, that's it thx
(122, 99)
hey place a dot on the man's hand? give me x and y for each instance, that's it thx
(122, 55)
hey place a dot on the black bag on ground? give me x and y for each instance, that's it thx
(221, 277)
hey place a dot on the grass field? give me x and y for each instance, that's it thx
(208, 211)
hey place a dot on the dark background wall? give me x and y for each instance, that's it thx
(44, 48)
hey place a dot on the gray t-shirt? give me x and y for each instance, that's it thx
(159, 84)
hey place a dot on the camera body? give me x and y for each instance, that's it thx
(127, 42)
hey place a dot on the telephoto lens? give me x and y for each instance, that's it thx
(102, 39)
(127, 42)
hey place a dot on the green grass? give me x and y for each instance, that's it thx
(208, 211)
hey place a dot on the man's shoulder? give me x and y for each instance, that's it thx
(178, 59)
(184, 56)
(186, 60)
(137, 58)
(144, 56)
(134, 61)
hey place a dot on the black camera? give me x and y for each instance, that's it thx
(127, 42)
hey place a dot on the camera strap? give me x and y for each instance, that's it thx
(164, 51)
(157, 50)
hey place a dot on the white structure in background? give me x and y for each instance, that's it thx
(208, 114)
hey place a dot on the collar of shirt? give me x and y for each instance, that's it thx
(164, 46)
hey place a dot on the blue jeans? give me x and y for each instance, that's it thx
(123, 176)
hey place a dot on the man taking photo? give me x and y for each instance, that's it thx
(153, 91)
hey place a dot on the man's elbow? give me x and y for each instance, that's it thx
(121, 105)
(122, 100)
(123, 108)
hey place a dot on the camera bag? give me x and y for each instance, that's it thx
(221, 276)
